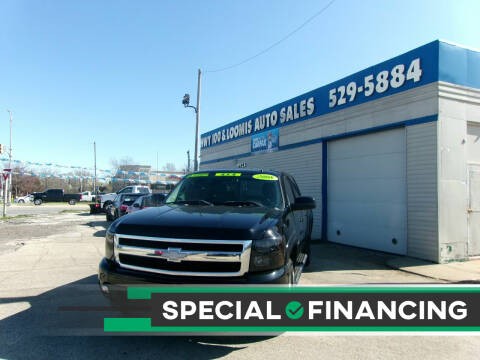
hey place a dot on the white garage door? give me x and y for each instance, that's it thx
(367, 191)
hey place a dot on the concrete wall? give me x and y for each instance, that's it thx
(458, 106)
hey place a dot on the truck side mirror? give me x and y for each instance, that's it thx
(304, 203)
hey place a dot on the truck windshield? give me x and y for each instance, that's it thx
(230, 189)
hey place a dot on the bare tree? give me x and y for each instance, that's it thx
(24, 183)
(115, 163)
(50, 179)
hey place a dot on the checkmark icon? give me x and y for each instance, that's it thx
(294, 310)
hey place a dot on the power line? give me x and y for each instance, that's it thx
(276, 43)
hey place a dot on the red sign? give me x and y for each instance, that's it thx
(5, 176)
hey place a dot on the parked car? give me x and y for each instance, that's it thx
(119, 205)
(146, 201)
(107, 199)
(233, 226)
(55, 195)
(24, 199)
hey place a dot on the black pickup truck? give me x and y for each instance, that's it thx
(224, 226)
(55, 195)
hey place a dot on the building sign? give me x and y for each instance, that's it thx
(378, 83)
(300, 109)
(413, 69)
(266, 141)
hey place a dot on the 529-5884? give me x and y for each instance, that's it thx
(379, 83)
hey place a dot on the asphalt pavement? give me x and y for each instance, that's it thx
(48, 290)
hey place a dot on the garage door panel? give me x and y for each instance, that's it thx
(372, 213)
(342, 168)
(345, 190)
(358, 147)
(367, 194)
(384, 240)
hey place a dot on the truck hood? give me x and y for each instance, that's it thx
(199, 222)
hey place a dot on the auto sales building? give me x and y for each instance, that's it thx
(391, 153)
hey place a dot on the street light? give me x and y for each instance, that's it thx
(186, 103)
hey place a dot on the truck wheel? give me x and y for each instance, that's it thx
(72, 201)
(37, 201)
(105, 204)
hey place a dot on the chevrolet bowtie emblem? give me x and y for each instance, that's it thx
(171, 254)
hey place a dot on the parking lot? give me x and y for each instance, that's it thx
(50, 305)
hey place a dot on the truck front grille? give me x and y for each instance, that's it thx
(196, 266)
(187, 245)
(184, 257)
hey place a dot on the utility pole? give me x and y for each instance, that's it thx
(95, 168)
(196, 122)
(186, 103)
(188, 161)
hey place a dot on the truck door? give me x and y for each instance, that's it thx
(300, 215)
(55, 195)
(290, 221)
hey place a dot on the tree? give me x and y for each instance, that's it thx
(50, 179)
(126, 160)
(23, 183)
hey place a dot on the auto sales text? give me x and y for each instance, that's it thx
(297, 110)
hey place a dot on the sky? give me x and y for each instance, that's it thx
(114, 72)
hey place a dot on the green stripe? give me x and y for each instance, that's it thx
(145, 292)
(144, 325)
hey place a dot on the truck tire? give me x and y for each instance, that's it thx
(105, 204)
(37, 201)
(72, 201)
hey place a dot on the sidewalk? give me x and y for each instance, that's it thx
(455, 272)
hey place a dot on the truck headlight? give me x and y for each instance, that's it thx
(268, 253)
